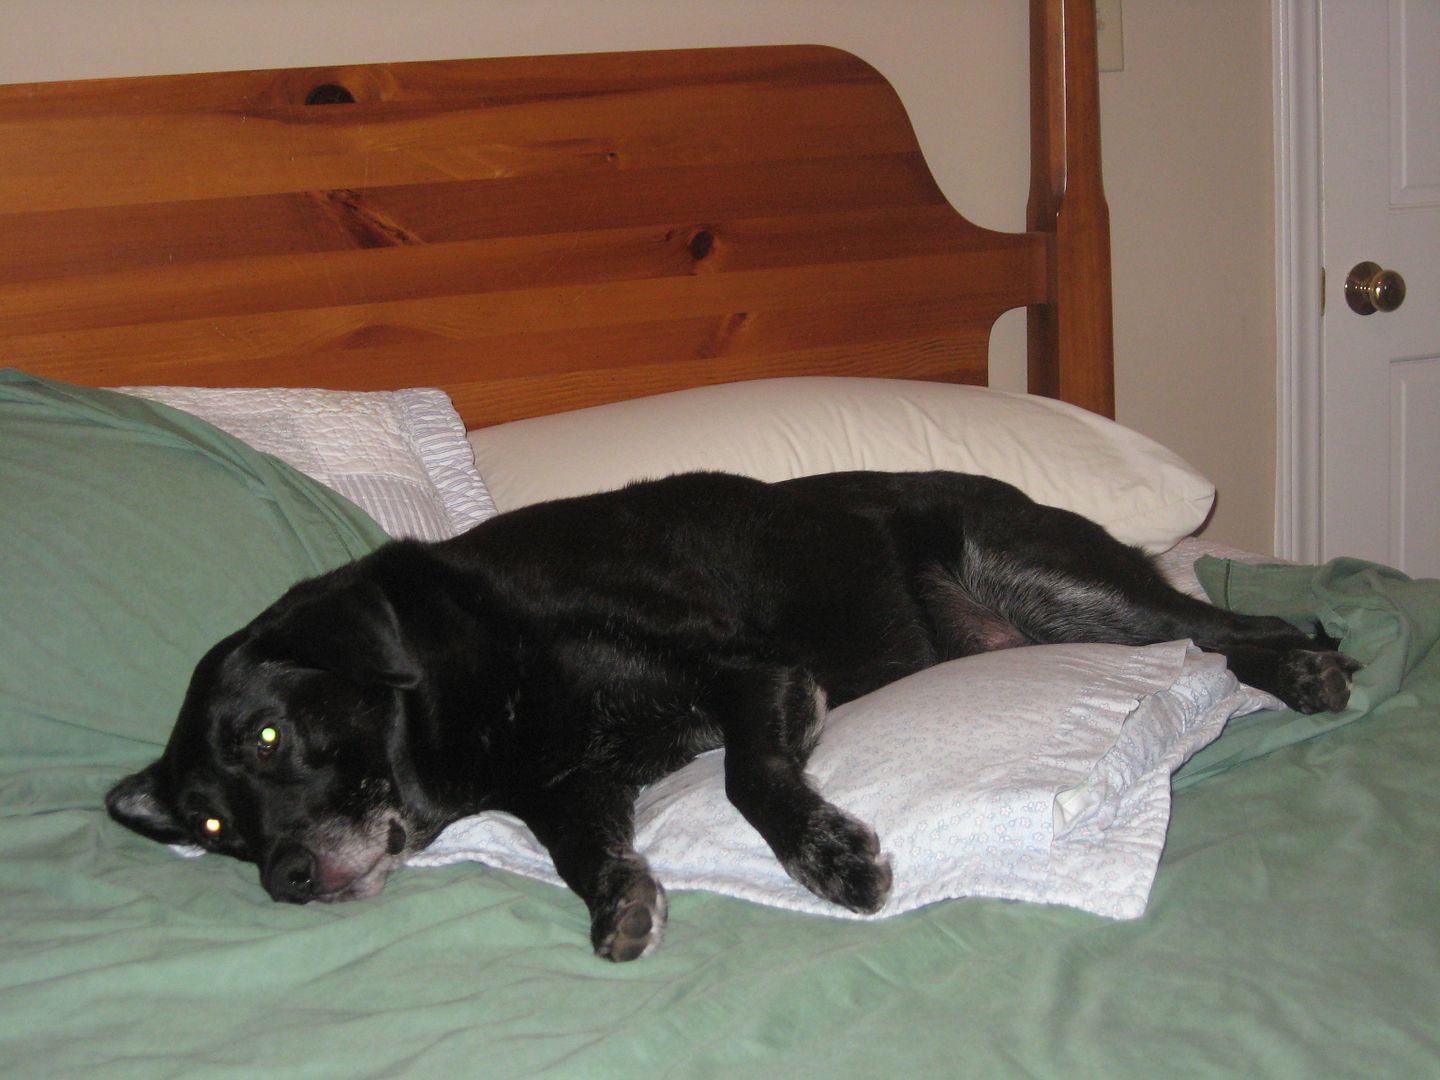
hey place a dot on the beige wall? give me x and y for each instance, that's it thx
(1186, 146)
(1189, 174)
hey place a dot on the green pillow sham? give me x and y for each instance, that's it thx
(132, 538)
(1385, 619)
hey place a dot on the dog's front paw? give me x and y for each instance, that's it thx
(838, 859)
(1312, 681)
(627, 920)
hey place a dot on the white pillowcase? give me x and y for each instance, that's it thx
(776, 429)
(1039, 774)
(401, 456)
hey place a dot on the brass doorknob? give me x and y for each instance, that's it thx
(1369, 289)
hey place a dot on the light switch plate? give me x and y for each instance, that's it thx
(1110, 35)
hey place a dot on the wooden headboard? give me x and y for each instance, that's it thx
(540, 233)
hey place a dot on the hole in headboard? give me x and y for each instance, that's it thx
(329, 94)
(701, 244)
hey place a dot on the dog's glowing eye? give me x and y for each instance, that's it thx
(268, 739)
(213, 826)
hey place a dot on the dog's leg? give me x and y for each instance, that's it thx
(1308, 674)
(1057, 577)
(1263, 651)
(771, 717)
(1308, 678)
(587, 825)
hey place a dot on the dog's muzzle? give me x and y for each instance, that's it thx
(295, 873)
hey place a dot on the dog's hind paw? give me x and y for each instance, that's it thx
(839, 859)
(630, 922)
(1312, 681)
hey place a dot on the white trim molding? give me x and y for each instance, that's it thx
(1298, 277)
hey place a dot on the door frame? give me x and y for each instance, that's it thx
(1299, 298)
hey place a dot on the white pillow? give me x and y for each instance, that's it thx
(1040, 774)
(775, 429)
(401, 456)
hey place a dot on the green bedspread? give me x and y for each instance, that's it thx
(1294, 928)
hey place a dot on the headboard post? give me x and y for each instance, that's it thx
(1071, 339)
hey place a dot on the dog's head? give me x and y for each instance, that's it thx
(294, 746)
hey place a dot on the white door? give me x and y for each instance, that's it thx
(1380, 197)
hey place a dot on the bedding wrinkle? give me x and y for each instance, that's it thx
(1383, 618)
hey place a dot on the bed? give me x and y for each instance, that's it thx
(391, 299)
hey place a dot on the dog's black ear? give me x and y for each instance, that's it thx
(348, 628)
(135, 803)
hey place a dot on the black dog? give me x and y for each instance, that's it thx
(555, 659)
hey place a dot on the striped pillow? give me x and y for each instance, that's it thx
(401, 456)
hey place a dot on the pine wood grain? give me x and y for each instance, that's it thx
(530, 234)
(1071, 339)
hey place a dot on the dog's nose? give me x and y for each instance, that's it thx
(395, 842)
(290, 873)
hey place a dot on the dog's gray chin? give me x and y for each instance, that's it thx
(353, 864)
(364, 884)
